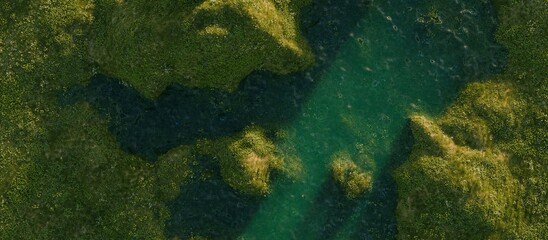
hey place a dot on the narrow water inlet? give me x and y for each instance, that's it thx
(393, 64)
(377, 62)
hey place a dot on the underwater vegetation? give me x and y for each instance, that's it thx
(350, 177)
(479, 171)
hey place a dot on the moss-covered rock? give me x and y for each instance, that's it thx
(349, 176)
(479, 171)
(449, 190)
(212, 44)
(248, 164)
(246, 160)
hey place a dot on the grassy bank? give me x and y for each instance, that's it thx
(479, 171)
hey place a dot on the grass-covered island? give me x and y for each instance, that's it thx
(480, 170)
(246, 161)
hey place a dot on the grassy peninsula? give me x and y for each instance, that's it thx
(479, 171)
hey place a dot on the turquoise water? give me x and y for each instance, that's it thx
(388, 69)
(377, 62)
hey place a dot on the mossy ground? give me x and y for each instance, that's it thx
(479, 171)
(211, 44)
(63, 175)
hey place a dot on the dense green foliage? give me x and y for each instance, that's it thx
(213, 44)
(63, 175)
(479, 171)
(81, 185)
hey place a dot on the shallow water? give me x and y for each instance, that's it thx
(391, 67)
(377, 63)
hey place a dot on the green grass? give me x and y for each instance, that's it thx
(247, 160)
(479, 171)
(63, 175)
(211, 44)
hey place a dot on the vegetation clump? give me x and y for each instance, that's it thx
(246, 160)
(451, 190)
(211, 44)
(479, 171)
(349, 176)
(250, 160)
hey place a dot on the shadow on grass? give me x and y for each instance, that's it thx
(182, 115)
(378, 217)
(210, 208)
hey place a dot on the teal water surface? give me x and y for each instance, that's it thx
(403, 57)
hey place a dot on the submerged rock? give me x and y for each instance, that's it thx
(350, 177)
(210, 44)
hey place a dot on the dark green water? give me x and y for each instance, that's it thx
(377, 62)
